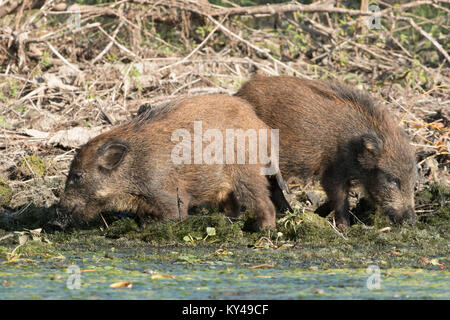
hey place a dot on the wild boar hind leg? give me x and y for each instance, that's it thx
(258, 201)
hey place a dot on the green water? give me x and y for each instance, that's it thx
(180, 273)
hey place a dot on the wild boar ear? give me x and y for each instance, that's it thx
(371, 144)
(111, 155)
(369, 150)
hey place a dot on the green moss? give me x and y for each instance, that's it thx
(37, 248)
(364, 211)
(120, 227)
(6, 192)
(225, 229)
(436, 197)
(32, 166)
(194, 228)
(306, 226)
(160, 232)
(33, 249)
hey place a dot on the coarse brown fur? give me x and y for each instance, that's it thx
(331, 132)
(131, 166)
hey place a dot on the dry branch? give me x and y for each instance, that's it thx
(318, 7)
(11, 6)
(327, 6)
(428, 37)
(186, 58)
(109, 45)
(265, 53)
(64, 60)
(118, 44)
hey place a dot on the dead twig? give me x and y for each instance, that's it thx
(9, 235)
(119, 45)
(109, 45)
(186, 58)
(427, 36)
(70, 65)
(251, 45)
(337, 231)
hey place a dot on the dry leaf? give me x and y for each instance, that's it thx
(121, 284)
(223, 252)
(262, 266)
(36, 232)
(74, 137)
(36, 133)
(162, 276)
(23, 239)
(424, 260)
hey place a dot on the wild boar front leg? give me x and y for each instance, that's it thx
(277, 197)
(230, 206)
(337, 194)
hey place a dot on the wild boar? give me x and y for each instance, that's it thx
(340, 136)
(150, 166)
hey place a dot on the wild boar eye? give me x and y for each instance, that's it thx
(394, 181)
(77, 177)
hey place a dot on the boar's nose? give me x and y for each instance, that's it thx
(65, 209)
(61, 221)
(68, 214)
(399, 216)
(69, 205)
(409, 215)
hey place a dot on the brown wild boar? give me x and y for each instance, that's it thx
(338, 135)
(149, 166)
